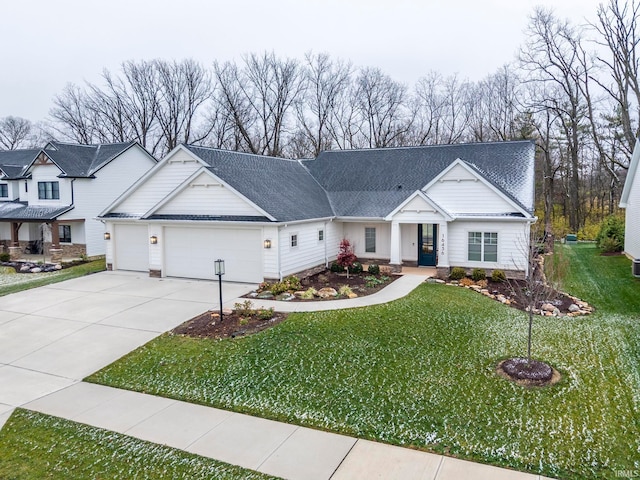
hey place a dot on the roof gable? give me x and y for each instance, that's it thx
(13, 162)
(465, 190)
(418, 202)
(204, 194)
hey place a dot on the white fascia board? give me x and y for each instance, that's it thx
(480, 178)
(133, 144)
(631, 173)
(184, 185)
(490, 218)
(150, 173)
(421, 194)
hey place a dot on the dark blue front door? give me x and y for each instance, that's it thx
(427, 244)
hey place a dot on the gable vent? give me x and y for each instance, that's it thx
(635, 267)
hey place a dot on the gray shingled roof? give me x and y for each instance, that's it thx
(83, 160)
(282, 188)
(12, 162)
(209, 218)
(19, 211)
(371, 183)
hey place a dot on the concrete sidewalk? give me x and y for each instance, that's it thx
(396, 289)
(275, 448)
(51, 337)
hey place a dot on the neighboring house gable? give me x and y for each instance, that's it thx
(630, 201)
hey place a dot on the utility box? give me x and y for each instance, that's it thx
(635, 267)
(571, 239)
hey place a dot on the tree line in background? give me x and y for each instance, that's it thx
(573, 89)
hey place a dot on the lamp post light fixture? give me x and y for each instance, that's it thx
(219, 271)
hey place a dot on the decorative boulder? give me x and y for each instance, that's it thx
(327, 292)
(36, 270)
(547, 307)
(266, 295)
(573, 308)
(285, 297)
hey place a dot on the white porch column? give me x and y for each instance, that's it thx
(396, 256)
(443, 248)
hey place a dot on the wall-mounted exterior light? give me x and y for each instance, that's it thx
(153, 239)
(267, 243)
(107, 236)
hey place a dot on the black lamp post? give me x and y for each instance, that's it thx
(219, 270)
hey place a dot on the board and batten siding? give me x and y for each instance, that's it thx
(92, 195)
(270, 255)
(206, 196)
(632, 218)
(512, 246)
(354, 232)
(309, 252)
(460, 191)
(164, 180)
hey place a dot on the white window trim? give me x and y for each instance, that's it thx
(375, 240)
(291, 235)
(482, 244)
(324, 235)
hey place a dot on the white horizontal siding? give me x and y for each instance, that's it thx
(459, 191)
(206, 196)
(512, 244)
(163, 181)
(309, 252)
(93, 195)
(632, 218)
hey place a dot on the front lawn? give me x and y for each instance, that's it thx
(420, 372)
(17, 282)
(34, 446)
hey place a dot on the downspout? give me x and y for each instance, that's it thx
(279, 264)
(326, 259)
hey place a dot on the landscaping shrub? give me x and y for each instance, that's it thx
(336, 267)
(478, 274)
(457, 273)
(265, 313)
(346, 257)
(4, 257)
(356, 268)
(610, 245)
(309, 293)
(371, 281)
(289, 284)
(466, 282)
(498, 276)
(611, 227)
(244, 309)
(345, 290)
(374, 269)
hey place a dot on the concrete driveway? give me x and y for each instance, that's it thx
(52, 337)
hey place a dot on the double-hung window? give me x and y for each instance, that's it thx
(48, 190)
(4, 190)
(483, 246)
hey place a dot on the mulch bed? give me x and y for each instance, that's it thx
(208, 325)
(558, 299)
(528, 374)
(357, 283)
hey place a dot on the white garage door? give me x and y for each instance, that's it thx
(190, 253)
(131, 245)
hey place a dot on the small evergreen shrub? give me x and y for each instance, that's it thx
(498, 276)
(309, 293)
(336, 267)
(345, 290)
(356, 268)
(374, 269)
(265, 313)
(4, 257)
(610, 245)
(478, 274)
(457, 273)
(611, 227)
(289, 284)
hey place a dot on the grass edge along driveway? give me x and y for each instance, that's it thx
(419, 372)
(35, 446)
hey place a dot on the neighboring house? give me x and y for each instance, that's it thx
(50, 198)
(630, 201)
(452, 205)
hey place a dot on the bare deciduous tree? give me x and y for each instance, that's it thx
(15, 132)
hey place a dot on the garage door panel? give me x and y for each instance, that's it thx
(131, 247)
(190, 253)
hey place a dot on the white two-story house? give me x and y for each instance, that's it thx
(49, 198)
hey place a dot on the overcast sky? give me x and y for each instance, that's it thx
(46, 44)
